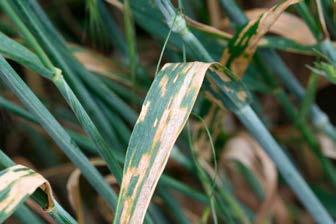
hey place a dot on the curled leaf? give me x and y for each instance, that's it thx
(287, 25)
(13, 50)
(73, 188)
(246, 151)
(243, 45)
(17, 183)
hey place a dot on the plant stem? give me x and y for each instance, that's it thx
(34, 26)
(310, 95)
(307, 134)
(12, 80)
(275, 63)
(93, 82)
(165, 181)
(299, 121)
(104, 150)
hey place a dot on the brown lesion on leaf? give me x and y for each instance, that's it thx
(161, 125)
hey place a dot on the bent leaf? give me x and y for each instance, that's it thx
(287, 25)
(248, 152)
(165, 111)
(13, 50)
(17, 183)
(243, 45)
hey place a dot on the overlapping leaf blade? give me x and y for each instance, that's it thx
(243, 45)
(13, 50)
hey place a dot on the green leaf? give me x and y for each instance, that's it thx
(12, 80)
(15, 51)
(327, 70)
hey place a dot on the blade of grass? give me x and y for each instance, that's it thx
(300, 123)
(206, 182)
(57, 78)
(167, 114)
(118, 39)
(71, 77)
(309, 98)
(321, 32)
(165, 181)
(26, 216)
(79, 139)
(131, 40)
(12, 50)
(48, 30)
(55, 130)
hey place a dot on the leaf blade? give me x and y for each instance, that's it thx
(17, 183)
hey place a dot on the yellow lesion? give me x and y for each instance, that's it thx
(140, 172)
(221, 74)
(155, 122)
(126, 211)
(266, 20)
(242, 95)
(175, 79)
(161, 125)
(144, 111)
(163, 85)
(22, 183)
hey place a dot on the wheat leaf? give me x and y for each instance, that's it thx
(17, 183)
(243, 45)
(15, 51)
(164, 113)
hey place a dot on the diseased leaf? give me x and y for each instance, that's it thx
(17, 183)
(243, 45)
(165, 111)
(287, 25)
